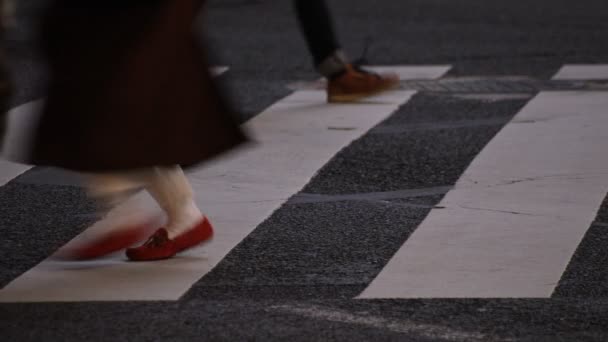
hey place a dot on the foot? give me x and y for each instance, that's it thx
(160, 246)
(356, 83)
(108, 243)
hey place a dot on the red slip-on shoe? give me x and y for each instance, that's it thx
(159, 246)
(108, 242)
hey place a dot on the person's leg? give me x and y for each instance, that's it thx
(123, 229)
(346, 83)
(173, 193)
(186, 225)
(167, 185)
(317, 28)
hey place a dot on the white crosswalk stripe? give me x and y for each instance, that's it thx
(518, 213)
(508, 229)
(20, 119)
(239, 191)
(583, 72)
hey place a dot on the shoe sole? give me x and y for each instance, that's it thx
(349, 98)
(202, 243)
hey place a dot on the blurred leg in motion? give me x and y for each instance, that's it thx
(130, 102)
(185, 225)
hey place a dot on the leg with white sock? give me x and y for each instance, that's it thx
(120, 226)
(167, 185)
(186, 226)
(317, 27)
(113, 188)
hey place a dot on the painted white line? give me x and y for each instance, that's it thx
(10, 170)
(517, 214)
(582, 72)
(430, 331)
(413, 72)
(404, 72)
(237, 191)
(16, 141)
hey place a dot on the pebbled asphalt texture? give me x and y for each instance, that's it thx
(297, 275)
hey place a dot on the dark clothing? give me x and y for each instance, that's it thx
(316, 24)
(130, 88)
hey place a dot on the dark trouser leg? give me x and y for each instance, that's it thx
(317, 27)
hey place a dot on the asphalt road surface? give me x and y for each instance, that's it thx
(468, 205)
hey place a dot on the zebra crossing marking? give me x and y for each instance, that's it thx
(583, 72)
(238, 191)
(519, 211)
(15, 143)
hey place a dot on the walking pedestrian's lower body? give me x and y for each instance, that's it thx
(130, 102)
(185, 225)
(346, 82)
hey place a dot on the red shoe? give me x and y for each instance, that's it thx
(159, 246)
(110, 242)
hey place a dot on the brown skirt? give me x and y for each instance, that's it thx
(130, 88)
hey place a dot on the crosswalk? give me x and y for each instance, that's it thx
(507, 229)
(517, 214)
(20, 119)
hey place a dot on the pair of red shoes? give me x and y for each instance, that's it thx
(157, 247)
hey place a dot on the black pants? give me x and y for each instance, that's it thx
(317, 27)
